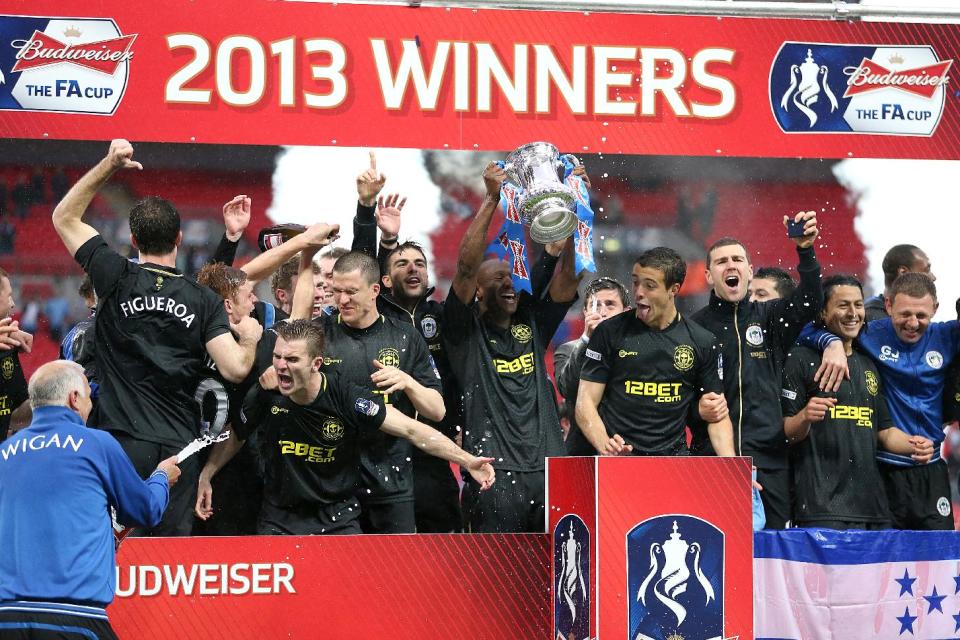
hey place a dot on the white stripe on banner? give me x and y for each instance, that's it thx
(801, 591)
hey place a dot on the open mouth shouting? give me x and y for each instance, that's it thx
(285, 380)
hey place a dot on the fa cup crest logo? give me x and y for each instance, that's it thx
(675, 579)
(807, 81)
(571, 543)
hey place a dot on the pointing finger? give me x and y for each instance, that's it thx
(373, 161)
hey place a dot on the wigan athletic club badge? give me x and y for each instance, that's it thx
(571, 577)
(675, 579)
(66, 65)
(832, 88)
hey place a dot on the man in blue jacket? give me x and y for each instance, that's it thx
(912, 355)
(58, 481)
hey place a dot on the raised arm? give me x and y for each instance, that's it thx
(436, 444)
(302, 306)
(236, 219)
(369, 185)
(316, 236)
(474, 241)
(563, 287)
(68, 215)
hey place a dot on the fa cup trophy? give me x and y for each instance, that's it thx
(547, 205)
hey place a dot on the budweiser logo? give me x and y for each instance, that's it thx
(921, 81)
(42, 49)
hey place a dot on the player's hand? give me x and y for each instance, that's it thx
(817, 408)
(388, 215)
(493, 177)
(236, 217)
(369, 183)
(482, 471)
(590, 322)
(581, 170)
(9, 333)
(833, 367)
(713, 407)
(616, 446)
(389, 379)
(321, 234)
(169, 466)
(248, 330)
(922, 449)
(810, 230)
(269, 380)
(204, 506)
(25, 339)
(756, 485)
(120, 155)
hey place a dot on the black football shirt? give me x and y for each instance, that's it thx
(13, 388)
(386, 461)
(652, 378)
(151, 330)
(311, 452)
(510, 409)
(835, 466)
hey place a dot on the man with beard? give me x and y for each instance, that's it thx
(913, 356)
(645, 369)
(834, 435)
(313, 427)
(753, 339)
(496, 349)
(603, 298)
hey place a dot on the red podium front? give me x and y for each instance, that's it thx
(651, 548)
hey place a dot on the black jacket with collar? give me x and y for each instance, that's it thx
(753, 339)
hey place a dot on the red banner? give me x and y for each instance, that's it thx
(257, 72)
(413, 587)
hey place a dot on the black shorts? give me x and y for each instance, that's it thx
(387, 517)
(145, 456)
(919, 496)
(338, 519)
(237, 495)
(775, 496)
(436, 496)
(514, 504)
(41, 625)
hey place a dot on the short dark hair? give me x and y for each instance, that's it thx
(86, 288)
(334, 252)
(223, 280)
(666, 260)
(901, 256)
(283, 277)
(359, 261)
(913, 284)
(605, 284)
(409, 244)
(154, 224)
(782, 281)
(726, 241)
(838, 280)
(303, 329)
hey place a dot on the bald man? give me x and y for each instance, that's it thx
(58, 482)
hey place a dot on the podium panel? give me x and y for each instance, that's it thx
(650, 548)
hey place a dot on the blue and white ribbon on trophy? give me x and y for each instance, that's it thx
(583, 236)
(511, 241)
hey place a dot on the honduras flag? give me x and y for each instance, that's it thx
(824, 584)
